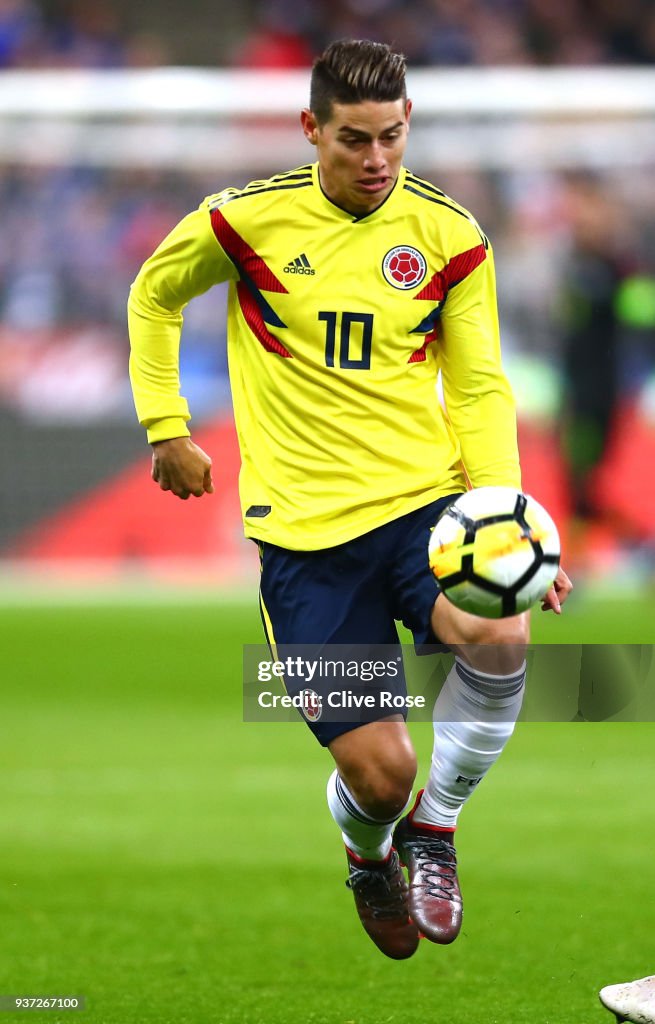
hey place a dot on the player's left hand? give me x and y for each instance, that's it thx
(558, 593)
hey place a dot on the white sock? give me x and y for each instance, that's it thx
(474, 716)
(367, 837)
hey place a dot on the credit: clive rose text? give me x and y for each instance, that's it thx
(342, 699)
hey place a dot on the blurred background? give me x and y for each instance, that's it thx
(117, 118)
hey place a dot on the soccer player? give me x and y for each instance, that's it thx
(353, 282)
(632, 1001)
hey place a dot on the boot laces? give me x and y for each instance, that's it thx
(380, 889)
(437, 863)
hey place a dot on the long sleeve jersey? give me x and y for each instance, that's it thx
(338, 327)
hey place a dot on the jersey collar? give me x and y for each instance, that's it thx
(343, 215)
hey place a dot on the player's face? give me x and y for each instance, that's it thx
(360, 150)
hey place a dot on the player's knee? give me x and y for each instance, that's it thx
(385, 793)
(378, 764)
(497, 646)
(512, 632)
(383, 784)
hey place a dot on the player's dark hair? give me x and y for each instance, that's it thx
(352, 70)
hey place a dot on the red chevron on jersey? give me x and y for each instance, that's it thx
(420, 355)
(253, 317)
(455, 271)
(244, 257)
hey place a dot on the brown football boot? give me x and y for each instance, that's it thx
(435, 900)
(380, 892)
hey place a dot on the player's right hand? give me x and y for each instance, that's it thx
(180, 466)
(558, 593)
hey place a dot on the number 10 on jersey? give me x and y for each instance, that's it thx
(345, 325)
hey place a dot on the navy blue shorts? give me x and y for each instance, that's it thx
(352, 594)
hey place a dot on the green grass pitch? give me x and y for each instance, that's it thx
(175, 865)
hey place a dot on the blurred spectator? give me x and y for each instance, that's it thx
(281, 37)
(20, 25)
(607, 306)
(87, 34)
(591, 277)
(275, 50)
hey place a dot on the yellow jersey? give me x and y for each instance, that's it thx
(337, 329)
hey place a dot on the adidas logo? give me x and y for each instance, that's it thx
(300, 265)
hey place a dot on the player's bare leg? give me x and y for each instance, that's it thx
(378, 764)
(474, 717)
(370, 788)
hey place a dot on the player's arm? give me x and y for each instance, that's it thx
(478, 397)
(187, 263)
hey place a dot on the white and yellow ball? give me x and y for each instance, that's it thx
(495, 552)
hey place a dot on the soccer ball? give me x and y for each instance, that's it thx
(495, 552)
